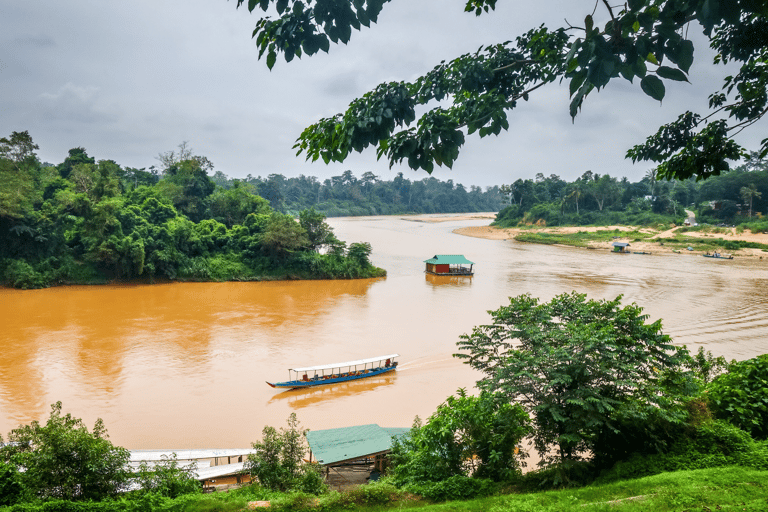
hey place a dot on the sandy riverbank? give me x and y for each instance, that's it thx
(493, 233)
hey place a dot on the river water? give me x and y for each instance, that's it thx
(184, 365)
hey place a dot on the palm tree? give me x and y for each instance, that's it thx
(749, 193)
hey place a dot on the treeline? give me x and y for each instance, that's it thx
(347, 195)
(83, 221)
(736, 196)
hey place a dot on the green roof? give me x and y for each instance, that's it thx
(449, 259)
(349, 443)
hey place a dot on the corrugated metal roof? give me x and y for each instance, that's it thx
(349, 443)
(449, 259)
(620, 244)
(344, 365)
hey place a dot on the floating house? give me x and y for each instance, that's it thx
(621, 247)
(449, 265)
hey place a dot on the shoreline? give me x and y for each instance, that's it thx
(648, 244)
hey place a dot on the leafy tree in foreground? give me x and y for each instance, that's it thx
(574, 364)
(740, 396)
(477, 435)
(639, 39)
(63, 460)
(278, 463)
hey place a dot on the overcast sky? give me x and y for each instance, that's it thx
(129, 80)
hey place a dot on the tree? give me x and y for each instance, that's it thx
(63, 460)
(18, 147)
(574, 364)
(740, 396)
(278, 461)
(643, 39)
(282, 236)
(318, 231)
(748, 194)
(467, 435)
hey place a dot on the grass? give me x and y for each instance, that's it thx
(710, 489)
(725, 489)
(584, 238)
(579, 239)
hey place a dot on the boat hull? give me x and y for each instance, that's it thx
(718, 257)
(321, 381)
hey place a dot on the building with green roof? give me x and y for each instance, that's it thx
(449, 265)
(336, 446)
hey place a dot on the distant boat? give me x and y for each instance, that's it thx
(718, 256)
(337, 372)
(620, 248)
(642, 252)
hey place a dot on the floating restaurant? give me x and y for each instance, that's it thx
(449, 265)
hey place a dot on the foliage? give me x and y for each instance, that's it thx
(168, 478)
(456, 487)
(711, 445)
(642, 39)
(63, 460)
(87, 222)
(278, 461)
(574, 364)
(740, 396)
(466, 435)
(11, 489)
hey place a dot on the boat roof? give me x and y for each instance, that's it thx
(620, 244)
(449, 259)
(348, 363)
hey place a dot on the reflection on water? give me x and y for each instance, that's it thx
(305, 397)
(184, 364)
(448, 280)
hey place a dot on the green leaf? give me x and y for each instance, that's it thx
(652, 58)
(653, 87)
(271, 58)
(252, 5)
(671, 74)
(685, 55)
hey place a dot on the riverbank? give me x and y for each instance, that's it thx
(675, 240)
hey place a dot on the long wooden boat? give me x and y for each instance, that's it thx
(337, 372)
(719, 256)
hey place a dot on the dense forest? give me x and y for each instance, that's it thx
(347, 195)
(738, 196)
(83, 221)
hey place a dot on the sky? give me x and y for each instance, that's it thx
(130, 80)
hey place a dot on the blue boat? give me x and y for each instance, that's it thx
(337, 372)
(719, 256)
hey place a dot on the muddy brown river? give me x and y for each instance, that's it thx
(184, 365)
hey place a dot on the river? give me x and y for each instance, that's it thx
(184, 365)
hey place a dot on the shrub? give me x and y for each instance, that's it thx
(457, 487)
(167, 478)
(741, 396)
(10, 487)
(63, 460)
(277, 463)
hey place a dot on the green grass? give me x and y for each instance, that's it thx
(579, 239)
(726, 489)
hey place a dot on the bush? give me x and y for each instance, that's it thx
(10, 487)
(20, 274)
(277, 463)
(63, 460)
(167, 478)
(741, 396)
(457, 487)
(712, 444)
